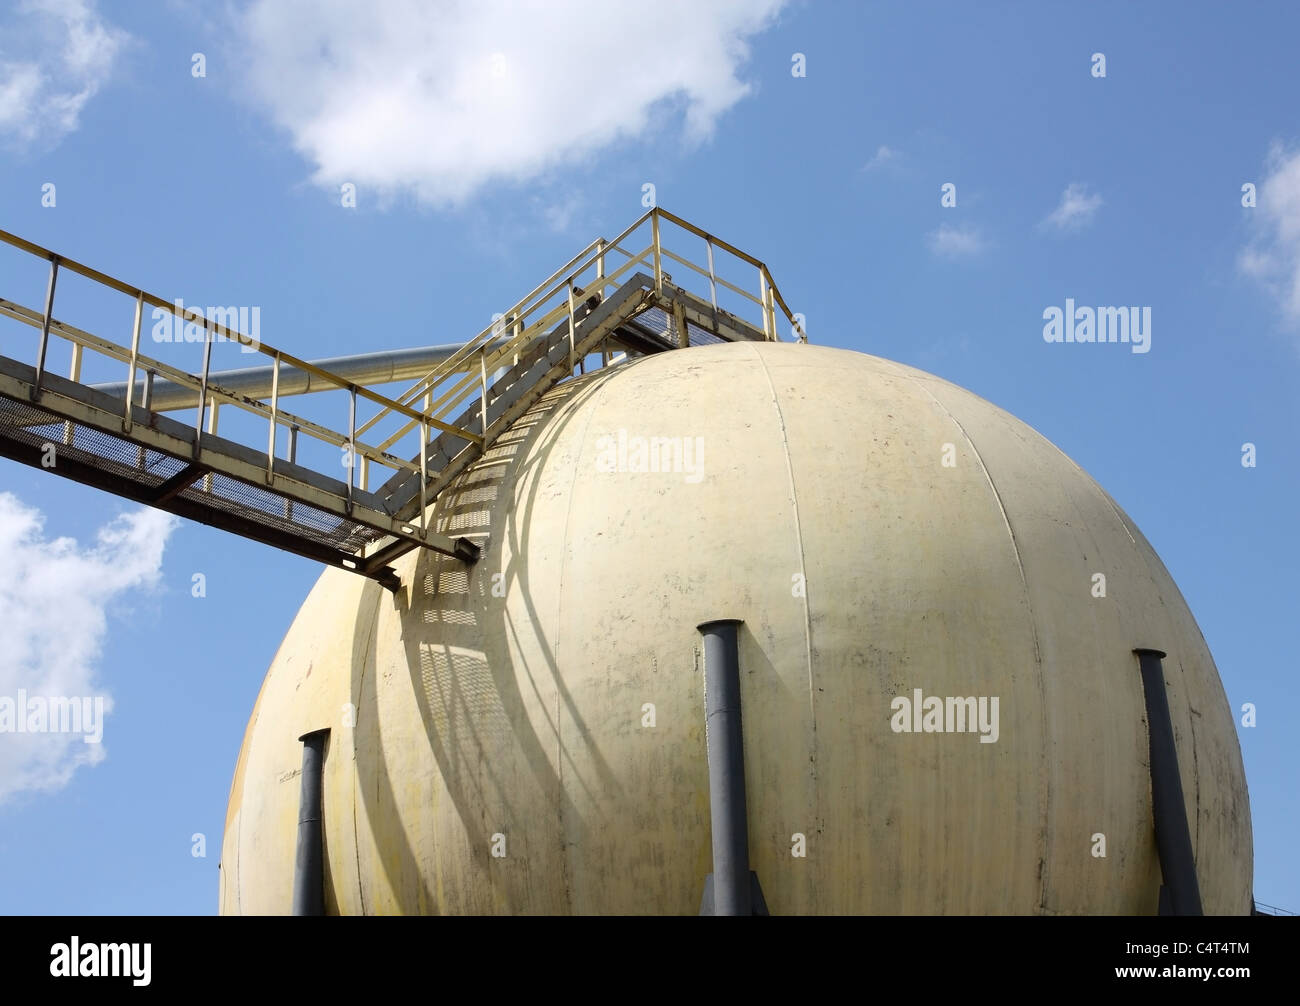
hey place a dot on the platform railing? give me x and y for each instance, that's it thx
(342, 435)
(698, 281)
(453, 384)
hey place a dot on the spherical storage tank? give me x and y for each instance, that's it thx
(527, 734)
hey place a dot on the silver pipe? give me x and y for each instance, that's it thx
(255, 382)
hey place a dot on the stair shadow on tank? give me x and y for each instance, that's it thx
(469, 699)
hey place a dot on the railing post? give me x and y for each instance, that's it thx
(146, 402)
(275, 406)
(352, 443)
(424, 461)
(74, 374)
(571, 327)
(771, 310)
(713, 281)
(483, 396)
(683, 330)
(659, 271)
(762, 296)
(203, 387)
(293, 458)
(212, 430)
(45, 327)
(135, 353)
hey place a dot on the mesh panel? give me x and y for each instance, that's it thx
(143, 467)
(661, 323)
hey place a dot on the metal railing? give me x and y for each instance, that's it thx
(718, 290)
(342, 435)
(457, 381)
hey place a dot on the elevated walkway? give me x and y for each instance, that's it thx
(252, 476)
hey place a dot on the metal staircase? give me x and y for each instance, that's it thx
(251, 477)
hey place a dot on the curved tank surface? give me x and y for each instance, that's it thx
(527, 734)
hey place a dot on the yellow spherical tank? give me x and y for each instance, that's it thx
(527, 734)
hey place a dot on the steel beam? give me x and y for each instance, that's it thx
(222, 520)
(65, 400)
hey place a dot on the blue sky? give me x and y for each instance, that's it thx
(223, 189)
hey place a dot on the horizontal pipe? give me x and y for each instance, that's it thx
(255, 382)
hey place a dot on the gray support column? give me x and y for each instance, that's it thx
(729, 890)
(309, 863)
(1180, 893)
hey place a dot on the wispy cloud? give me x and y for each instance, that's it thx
(438, 100)
(957, 241)
(1077, 208)
(883, 155)
(559, 211)
(54, 599)
(1273, 255)
(54, 56)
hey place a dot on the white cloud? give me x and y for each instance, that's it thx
(558, 212)
(1273, 256)
(950, 241)
(1076, 209)
(54, 56)
(881, 157)
(54, 594)
(438, 99)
